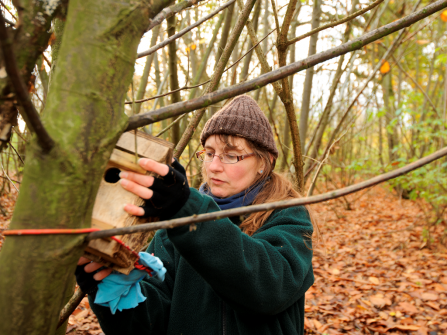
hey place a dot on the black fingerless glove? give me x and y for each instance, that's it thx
(85, 280)
(170, 193)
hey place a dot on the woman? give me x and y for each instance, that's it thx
(239, 275)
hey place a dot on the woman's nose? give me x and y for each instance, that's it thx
(216, 165)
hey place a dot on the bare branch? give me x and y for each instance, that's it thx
(184, 31)
(211, 217)
(254, 84)
(167, 12)
(28, 112)
(186, 87)
(71, 305)
(336, 23)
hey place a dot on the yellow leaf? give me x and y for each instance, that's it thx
(187, 49)
(444, 16)
(385, 68)
(422, 42)
(193, 47)
(335, 272)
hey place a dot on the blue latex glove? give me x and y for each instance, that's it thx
(119, 291)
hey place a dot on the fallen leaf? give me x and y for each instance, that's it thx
(376, 301)
(335, 272)
(405, 327)
(407, 321)
(82, 315)
(430, 296)
(374, 280)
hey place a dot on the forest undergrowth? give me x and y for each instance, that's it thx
(374, 271)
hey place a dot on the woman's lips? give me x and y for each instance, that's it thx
(217, 181)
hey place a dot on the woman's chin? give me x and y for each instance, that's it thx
(218, 192)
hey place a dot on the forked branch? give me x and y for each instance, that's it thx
(28, 111)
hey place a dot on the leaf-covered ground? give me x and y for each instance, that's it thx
(374, 273)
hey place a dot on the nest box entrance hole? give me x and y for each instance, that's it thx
(112, 175)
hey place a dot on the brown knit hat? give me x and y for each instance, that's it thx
(242, 117)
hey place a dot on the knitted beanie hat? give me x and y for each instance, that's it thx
(242, 117)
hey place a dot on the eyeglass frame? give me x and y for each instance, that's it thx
(239, 158)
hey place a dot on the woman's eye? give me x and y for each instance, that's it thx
(231, 156)
(209, 154)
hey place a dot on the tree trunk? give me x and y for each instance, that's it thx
(244, 73)
(307, 89)
(389, 116)
(146, 70)
(173, 77)
(84, 115)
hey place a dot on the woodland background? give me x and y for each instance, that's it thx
(381, 263)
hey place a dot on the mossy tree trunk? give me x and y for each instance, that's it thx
(84, 115)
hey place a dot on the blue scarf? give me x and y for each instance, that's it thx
(244, 198)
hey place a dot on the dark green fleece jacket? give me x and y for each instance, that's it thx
(222, 281)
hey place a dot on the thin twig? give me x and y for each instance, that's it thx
(30, 115)
(211, 217)
(18, 134)
(336, 23)
(417, 85)
(192, 156)
(321, 164)
(205, 82)
(418, 30)
(184, 31)
(4, 172)
(15, 181)
(46, 59)
(170, 125)
(285, 71)
(16, 152)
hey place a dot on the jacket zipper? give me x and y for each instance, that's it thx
(223, 319)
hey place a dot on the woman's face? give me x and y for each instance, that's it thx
(225, 180)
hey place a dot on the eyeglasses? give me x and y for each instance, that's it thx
(226, 158)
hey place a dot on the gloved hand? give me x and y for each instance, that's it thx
(87, 275)
(85, 280)
(164, 196)
(170, 193)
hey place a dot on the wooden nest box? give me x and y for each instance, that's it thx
(108, 210)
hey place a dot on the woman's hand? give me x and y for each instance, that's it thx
(86, 277)
(164, 196)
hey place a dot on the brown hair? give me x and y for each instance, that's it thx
(276, 188)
